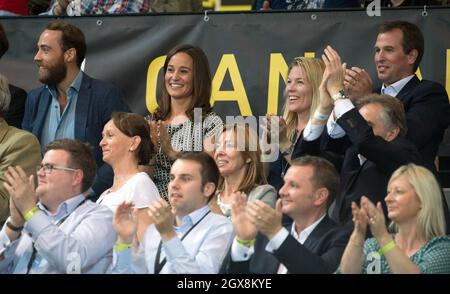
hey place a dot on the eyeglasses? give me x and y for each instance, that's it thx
(48, 167)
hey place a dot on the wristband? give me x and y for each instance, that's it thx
(246, 243)
(386, 248)
(122, 247)
(27, 216)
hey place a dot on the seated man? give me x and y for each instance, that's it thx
(17, 147)
(199, 240)
(63, 232)
(375, 130)
(71, 104)
(313, 244)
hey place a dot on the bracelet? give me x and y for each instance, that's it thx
(27, 216)
(122, 247)
(320, 116)
(246, 243)
(13, 227)
(386, 248)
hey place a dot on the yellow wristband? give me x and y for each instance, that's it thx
(122, 247)
(30, 213)
(246, 243)
(386, 248)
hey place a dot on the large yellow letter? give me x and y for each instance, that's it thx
(152, 81)
(228, 62)
(278, 67)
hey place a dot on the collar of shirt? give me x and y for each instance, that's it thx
(73, 89)
(396, 87)
(189, 220)
(301, 238)
(64, 209)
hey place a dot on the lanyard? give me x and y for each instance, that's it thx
(159, 265)
(33, 255)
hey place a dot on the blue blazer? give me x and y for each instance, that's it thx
(97, 100)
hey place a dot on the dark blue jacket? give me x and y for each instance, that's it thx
(97, 100)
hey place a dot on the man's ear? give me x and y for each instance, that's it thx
(78, 176)
(321, 196)
(70, 55)
(392, 134)
(208, 189)
(412, 56)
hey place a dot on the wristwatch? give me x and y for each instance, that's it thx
(339, 95)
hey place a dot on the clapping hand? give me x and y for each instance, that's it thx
(266, 219)
(243, 227)
(125, 222)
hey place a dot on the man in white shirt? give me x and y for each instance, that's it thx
(313, 244)
(185, 239)
(63, 232)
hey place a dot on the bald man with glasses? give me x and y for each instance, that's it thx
(53, 228)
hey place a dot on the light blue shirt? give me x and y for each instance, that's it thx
(76, 239)
(201, 252)
(57, 125)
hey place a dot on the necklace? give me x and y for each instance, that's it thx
(284, 163)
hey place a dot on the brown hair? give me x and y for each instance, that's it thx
(72, 37)
(324, 175)
(412, 37)
(133, 124)
(254, 175)
(209, 170)
(201, 92)
(80, 158)
(393, 114)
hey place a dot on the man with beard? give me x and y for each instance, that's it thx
(70, 104)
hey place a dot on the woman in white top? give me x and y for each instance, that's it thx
(126, 144)
(238, 158)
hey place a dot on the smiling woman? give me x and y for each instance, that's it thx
(183, 120)
(242, 173)
(301, 100)
(417, 244)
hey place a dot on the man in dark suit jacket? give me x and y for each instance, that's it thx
(398, 51)
(313, 244)
(378, 148)
(70, 104)
(375, 132)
